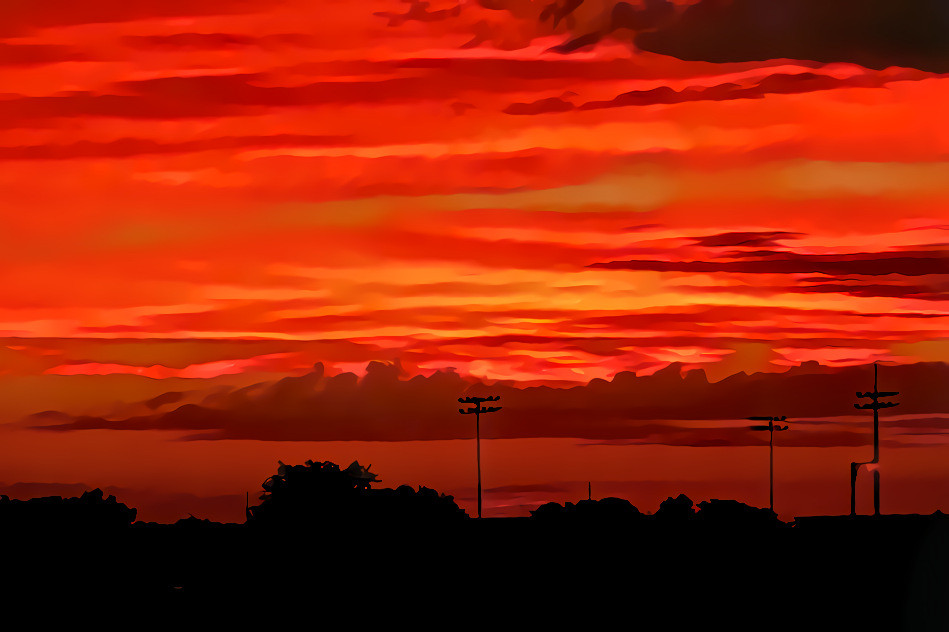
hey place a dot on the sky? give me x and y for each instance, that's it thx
(243, 231)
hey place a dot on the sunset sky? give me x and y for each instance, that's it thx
(203, 196)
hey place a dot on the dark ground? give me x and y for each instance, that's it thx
(823, 573)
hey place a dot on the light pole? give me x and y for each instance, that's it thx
(771, 428)
(876, 405)
(477, 410)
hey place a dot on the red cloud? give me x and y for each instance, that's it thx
(383, 407)
(127, 147)
(18, 17)
(905, 263)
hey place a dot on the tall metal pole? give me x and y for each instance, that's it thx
(478, 443)
(476, 411)
(771, 428)
(772, 465)
(853, 488)
(876, 405)
(876, 419)
(876, 448)
(876, 492)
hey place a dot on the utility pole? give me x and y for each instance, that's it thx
(771, 428)
(477, 410)
(876, 405)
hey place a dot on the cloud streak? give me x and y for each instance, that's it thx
(919, 263)
(314, 407)
(775, 84)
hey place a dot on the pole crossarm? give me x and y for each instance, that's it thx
(478, 400)
(478, 408)
(771, 427)
(876, 405)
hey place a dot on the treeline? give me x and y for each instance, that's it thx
(321, 495)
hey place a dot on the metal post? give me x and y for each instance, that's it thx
(876, 492)
(876, 447)
(853, 488)
(772, 465)
(771, 427)
(476, 411)
(876, 460)
(478, 443)
(875, 405)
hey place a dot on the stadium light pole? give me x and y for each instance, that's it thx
(771, 428)
(476, 411)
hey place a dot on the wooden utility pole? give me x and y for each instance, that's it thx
(771, 428)
(875, 406)
(477, 410)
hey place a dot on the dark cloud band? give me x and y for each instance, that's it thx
(873, 33)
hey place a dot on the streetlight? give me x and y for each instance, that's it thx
(477, 410)
(771, 428)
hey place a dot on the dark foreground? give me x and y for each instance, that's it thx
(887, 573)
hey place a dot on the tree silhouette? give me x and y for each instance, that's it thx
(678, 509)
(320, 494)
(733, 512)
(91, 511)
(311, 493)
(604, 509)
